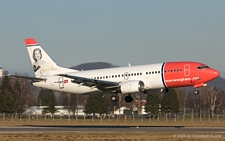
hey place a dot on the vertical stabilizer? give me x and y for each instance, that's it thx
(41, 62)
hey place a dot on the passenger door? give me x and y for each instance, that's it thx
(187, 70)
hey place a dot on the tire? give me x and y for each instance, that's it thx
(128, 99)
(196, 92)
(115, 98)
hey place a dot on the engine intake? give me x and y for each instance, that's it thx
(132, 87)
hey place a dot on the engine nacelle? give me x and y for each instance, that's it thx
(132, 87)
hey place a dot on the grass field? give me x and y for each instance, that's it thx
(113, 136)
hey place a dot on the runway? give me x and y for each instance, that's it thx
(170, 129)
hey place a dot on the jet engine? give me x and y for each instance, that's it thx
(132, 87)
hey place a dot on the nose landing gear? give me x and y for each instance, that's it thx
(196, 92)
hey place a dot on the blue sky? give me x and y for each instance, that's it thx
(118, 32)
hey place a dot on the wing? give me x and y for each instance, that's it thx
(34, 79)
(93, 83)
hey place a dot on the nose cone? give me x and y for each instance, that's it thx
(213, 74)
(216, 73)
(210, 75)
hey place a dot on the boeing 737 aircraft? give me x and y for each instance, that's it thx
(125, 80)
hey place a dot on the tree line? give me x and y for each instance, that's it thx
(16, 94)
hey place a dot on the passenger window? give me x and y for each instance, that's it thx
(140, 73)
(158, 71)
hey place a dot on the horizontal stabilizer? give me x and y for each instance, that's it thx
(27, 77)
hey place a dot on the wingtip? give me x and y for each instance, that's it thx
(30, 41)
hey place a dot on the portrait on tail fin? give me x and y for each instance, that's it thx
(37, 56)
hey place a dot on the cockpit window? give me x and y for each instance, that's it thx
(202, 67)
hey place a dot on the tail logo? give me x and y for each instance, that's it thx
(37, 56)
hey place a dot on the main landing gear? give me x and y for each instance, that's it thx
(129, 98)
(115, 98)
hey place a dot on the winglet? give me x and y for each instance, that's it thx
(30, 42)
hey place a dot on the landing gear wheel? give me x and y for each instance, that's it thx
(115, 98)
(196, 92)
(128, 98)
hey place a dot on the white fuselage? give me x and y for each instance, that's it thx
(120, 74)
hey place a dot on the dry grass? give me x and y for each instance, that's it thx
(110, 136)
(113, 136)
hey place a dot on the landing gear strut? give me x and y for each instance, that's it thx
(196, 92)
(165, 90)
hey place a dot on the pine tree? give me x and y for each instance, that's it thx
(170, 102)
(96, 103)
(48, 99)
(152, 104)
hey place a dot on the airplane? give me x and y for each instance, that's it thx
(124, 80)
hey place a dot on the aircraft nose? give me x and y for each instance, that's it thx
(216, 73)
(213, 74)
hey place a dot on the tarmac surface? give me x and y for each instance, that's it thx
(168, 129)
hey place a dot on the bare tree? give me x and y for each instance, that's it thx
(70, 101)
(182, 97)
(138, 97)
(214, 98)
